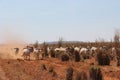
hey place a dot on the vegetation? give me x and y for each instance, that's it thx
(60, 42)
(95, 73)
(36, 44)
(64, 57)
(81, 76)
(77, 56)
(43, 67)
(103, 58)
(52, 53)
(45, 49)
(69, 74)
(116, 37)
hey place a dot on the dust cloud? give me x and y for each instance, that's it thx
(11, 41)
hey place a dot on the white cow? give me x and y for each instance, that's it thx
(60, 49)
(36, 53)
(84, 52)
(77, 49)
(94, 48)
(93, 51)
(26, 54)
(114, 53)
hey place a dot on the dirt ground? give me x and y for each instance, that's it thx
(12, 68)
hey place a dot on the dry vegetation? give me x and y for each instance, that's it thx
(54, 69)
(32, 70)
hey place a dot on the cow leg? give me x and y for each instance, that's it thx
(25, 57)
(38, 56)
(29, 57)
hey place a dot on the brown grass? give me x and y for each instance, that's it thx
(31, 70)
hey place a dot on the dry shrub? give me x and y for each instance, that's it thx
(58, 54)
(52, 53)
(43, 67)
(52, 71)
(36, 44)
(103, 58)
(118, 61)
(54, 74)
(77, 56)
(95, 73)
(81, 76)
(45, 49)
(64, 57)
(69, 75)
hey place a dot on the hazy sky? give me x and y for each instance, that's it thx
(47, 20)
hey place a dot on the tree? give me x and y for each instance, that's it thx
(60, 41)
(45, 49)
(36, 44)
(116, 37)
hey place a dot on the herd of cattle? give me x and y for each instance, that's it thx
(84, 52)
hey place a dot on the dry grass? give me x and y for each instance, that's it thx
(31, 70)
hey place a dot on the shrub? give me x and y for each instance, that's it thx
(77, 56)
(64, 57)
(81, 76)
(52, 53)
(54, 74)
(95, 73)
(69, 75)
(118, 61)
(43, 67)
(103, 58)
(51, 69)
(45, 49)
(36, 44)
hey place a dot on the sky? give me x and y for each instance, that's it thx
(47, 20)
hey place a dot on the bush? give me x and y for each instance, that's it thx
(51, 69)
(103, 58)
(58, 55)
(81, 76)
(77, 56)
(69, 75)
(45, 49)
(43, 67)
(95, 73)
(36, 44)
(54, 74)
(64, 57)
(52, 53)
(118, 61)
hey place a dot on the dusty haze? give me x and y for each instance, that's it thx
(11, 41)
